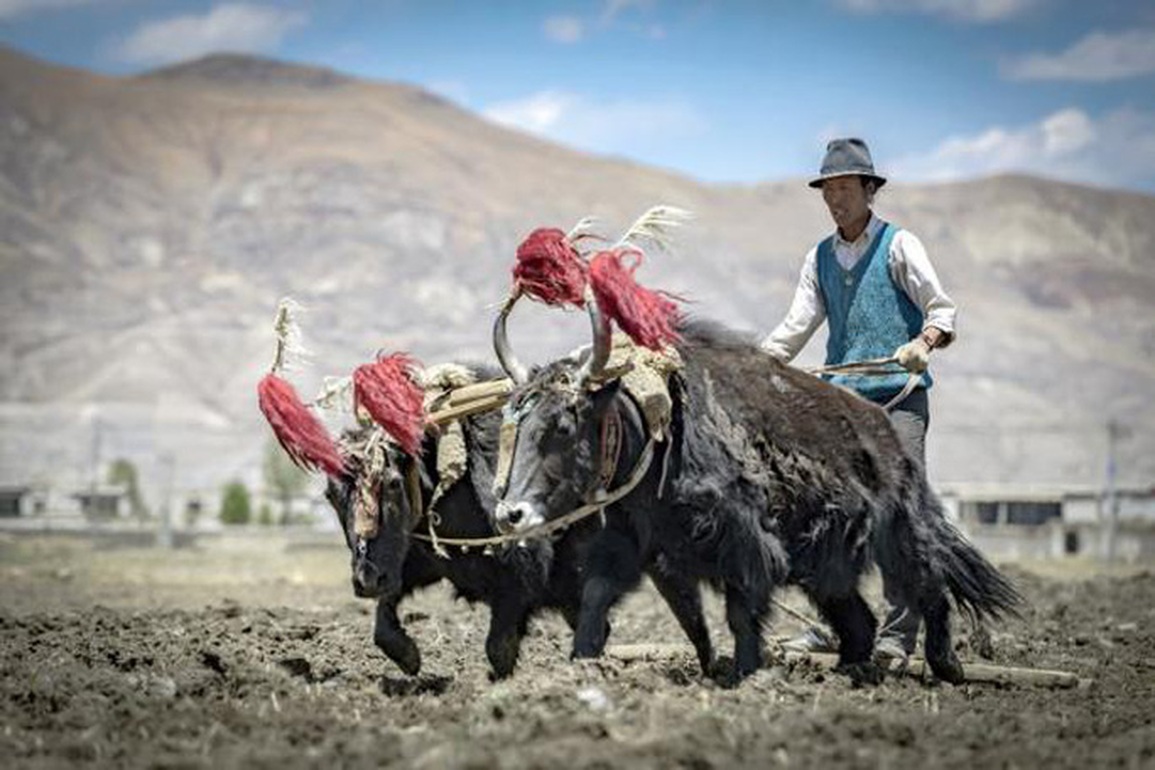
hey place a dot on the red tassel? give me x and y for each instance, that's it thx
(393, 399)
(550, 269)
(649, 317)
(302, 435)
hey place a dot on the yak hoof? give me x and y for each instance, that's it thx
(864, 674)
(405, 654)
(745, 665)
(947, 668)
(502, 656)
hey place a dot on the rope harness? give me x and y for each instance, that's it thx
(873, 367)
(602, 499)
(368, 511)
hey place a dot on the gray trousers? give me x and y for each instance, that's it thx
(911, 418)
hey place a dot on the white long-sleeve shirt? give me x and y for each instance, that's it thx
(910, 268)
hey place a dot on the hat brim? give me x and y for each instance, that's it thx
(817, 183)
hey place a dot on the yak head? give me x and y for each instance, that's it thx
(374, 504)
(549, 459)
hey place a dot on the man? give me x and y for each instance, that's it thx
(874, 285)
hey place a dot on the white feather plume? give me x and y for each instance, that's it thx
(656, 225)
(336, 394)
(290, 352)
(583, 229)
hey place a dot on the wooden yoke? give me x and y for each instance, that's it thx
(468, 400)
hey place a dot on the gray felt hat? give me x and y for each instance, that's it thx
(847, 157)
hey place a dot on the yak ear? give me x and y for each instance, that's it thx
(605, 393)
(337, 493)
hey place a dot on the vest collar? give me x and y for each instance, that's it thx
(873, 225)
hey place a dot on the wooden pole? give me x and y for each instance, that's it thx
(979, 673)
(468, 393)
(451, 413)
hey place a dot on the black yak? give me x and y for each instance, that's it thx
(768, 476)
(393, 563)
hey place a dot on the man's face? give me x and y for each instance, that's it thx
(845, 196)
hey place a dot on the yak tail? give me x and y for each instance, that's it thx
(978, 588)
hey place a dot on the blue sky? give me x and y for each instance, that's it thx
(721, 91)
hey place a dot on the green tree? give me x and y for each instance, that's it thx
(283, 478)
(122, 473)
(236, 507)
(265, 515)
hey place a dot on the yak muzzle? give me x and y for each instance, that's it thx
(368, 581)
(516, 517)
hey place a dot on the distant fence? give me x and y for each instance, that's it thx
(120, 534)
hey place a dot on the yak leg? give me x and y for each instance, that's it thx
(392, 639)
(745, 616)
(685, 600)
(939, 652)
(507, 622)
(851, 619)
(571, 615)
(906, 563)
(614, 568)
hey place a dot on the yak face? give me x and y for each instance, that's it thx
(555, 462)
(375, 514)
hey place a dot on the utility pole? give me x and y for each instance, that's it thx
(94, 460)
(1111, 493)
(164, 537)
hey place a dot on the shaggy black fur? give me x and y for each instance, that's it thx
(516, 582)
(774, 477)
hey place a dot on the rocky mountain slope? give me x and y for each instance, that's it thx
(149, 224)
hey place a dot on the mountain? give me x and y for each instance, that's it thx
(149, 224)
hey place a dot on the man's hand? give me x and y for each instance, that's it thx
(914, 356)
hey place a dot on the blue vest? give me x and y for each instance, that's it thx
(868, 314)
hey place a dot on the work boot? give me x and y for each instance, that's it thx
(813, 639)
(890, 653)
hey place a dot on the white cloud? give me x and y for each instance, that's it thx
(235, 27)
(564, 29)
(607, 126)
(11, 9)
(613, 8)
(539, 113)
(960, 10)
(1117, 149)
(1098, 56)
(569, 29)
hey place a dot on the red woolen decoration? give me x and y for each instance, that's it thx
(549, 269)
(392, 398)
(302, 435)
(648, 317)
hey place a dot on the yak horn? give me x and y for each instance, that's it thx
(514, 368)
(595, 365)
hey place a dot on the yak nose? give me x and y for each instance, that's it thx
(510, 516)
(366, 580)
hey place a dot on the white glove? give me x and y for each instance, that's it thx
(914, 356)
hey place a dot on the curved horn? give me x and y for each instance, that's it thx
(600, 354)
(514, 368)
